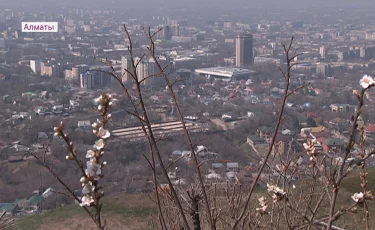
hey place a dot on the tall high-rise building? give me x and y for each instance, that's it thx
(165, 33)
(18, 34)
(175, 30)
(51, 69)
(68, 74)
(125, 65)
(70, 22)
(75, 73)
(324, 69)
(78, 70)
(35, 66)
(46, 70)
(244, 50)
(57, 70)
(2, 43)
(93, 79)
(145, 68)
(323, 51)
(367, 52)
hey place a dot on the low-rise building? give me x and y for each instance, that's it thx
(335, 145)
(370, 131)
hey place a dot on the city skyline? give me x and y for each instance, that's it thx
(244, 82)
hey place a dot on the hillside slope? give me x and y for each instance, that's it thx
(136, 211)
(126, 212)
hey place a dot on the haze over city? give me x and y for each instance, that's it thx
(150, 5)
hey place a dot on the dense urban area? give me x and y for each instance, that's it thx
(228, 83)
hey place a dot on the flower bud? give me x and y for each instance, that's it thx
(83, 180)
(95, 125)
(356, 93)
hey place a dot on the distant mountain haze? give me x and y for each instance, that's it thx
(39, 5)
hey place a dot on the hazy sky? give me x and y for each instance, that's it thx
(119, 4)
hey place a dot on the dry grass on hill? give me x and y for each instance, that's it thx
(128, 212)
(136, 211)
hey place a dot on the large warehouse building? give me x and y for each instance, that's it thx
(225, 73)
(159, 130)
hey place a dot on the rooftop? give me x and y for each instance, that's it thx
(370, 128)
(224, 71)
(334, 141)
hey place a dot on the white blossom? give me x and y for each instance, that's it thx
(262, 201)
(275, 189)
(88, 188)
(262, 209)
(100, 107)
(350, 159)
(93, 170)
(98, 99)
(366, 81)
(263, 205)
(109, 116)
(90, 154)
(358, 197)
(321, 168)
(103, 133)
(86, 200)
(99, 144)
(277, 193)
(93, 160)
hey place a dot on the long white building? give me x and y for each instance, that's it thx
(225, 73)
(159, 130)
